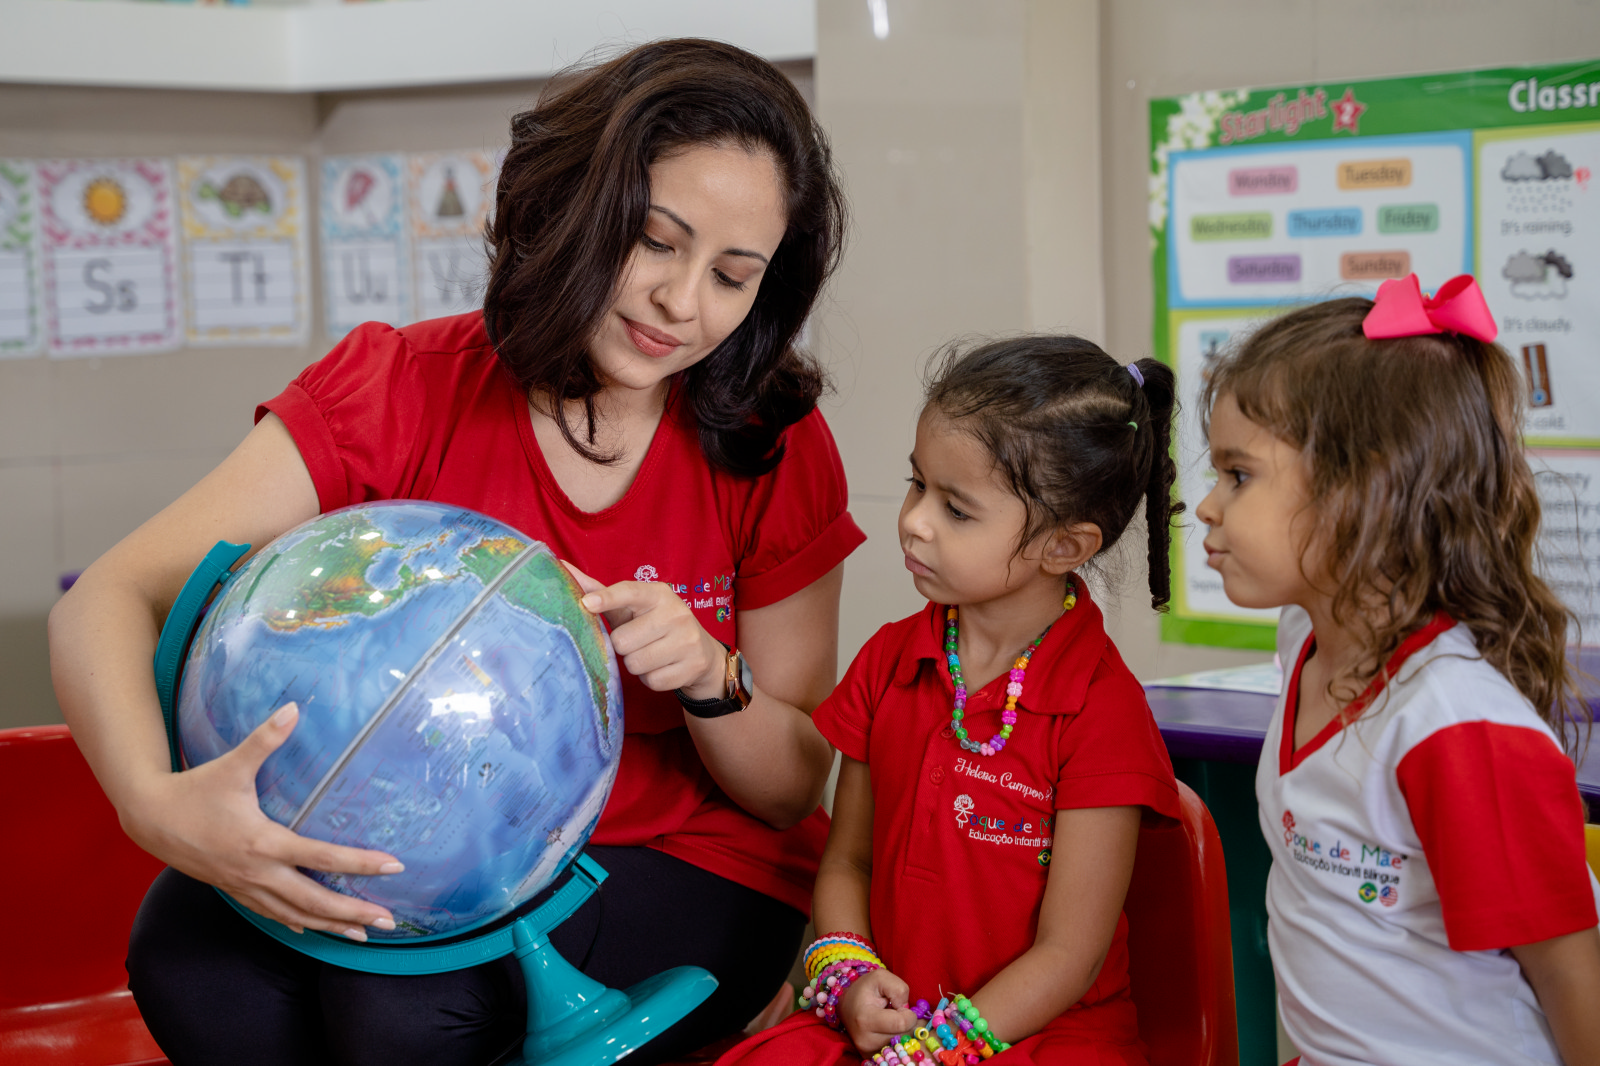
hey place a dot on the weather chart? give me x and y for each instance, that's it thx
(1261, 199)
(106, 257)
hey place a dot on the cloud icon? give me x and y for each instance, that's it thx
(1538, 277)
(1524, 267)
(1522, 167)
(1555, 165)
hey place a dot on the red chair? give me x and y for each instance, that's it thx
(1180, 952)
(71, 884)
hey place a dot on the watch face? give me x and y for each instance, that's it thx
(746, 682)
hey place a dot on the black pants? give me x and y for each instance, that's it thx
(216, 991)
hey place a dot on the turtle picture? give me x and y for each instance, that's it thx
(240, 194)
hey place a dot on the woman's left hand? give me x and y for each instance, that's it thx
(656, 636)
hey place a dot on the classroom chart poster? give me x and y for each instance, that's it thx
(20, 332)
(1568, 482)
(450, 195)
(109, 256)
(1539, 265)
(1202, 336)
(1258, 225)
(1263, 199)
(244, 228)
(365, 267)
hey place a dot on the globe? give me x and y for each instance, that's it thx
(459, 708)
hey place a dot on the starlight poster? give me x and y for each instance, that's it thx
(1264, 199)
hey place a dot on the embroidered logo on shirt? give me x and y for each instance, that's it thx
(964, 806)
(645, 573)
(1389, 895)
(1368, 892)
(1044, 857)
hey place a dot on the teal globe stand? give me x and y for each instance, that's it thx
(573, 1020)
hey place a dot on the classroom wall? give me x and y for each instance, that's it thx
(995, 159)
(90, 448)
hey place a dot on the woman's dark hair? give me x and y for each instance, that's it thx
(571, 207)
(1420, 495)
(1074, 432)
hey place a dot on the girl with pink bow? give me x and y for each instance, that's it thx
(1429, 900)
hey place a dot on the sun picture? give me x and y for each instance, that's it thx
(105, 201)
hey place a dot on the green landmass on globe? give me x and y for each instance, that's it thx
(327, 586)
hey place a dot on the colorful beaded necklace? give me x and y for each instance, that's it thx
(1019, 669)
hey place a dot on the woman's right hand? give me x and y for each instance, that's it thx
(207, 822)
(875, 1010)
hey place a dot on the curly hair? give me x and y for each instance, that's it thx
(571, 205)
(1421, 496)
(1075, 433)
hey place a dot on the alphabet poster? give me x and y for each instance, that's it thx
(365, 266)
(19, 260)
(450, 198)
(1262, 199)
(109, 257)
(244, 225)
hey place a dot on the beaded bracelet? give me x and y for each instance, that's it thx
(837, 947)
(953, 1033)
(825, 990)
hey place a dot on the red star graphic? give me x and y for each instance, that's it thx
(1347, 112)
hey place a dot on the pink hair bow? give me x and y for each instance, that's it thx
(1400, 310)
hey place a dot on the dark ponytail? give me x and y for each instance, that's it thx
(1160, 391)
(1075, 433)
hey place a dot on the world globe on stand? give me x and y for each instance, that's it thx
(459, 708)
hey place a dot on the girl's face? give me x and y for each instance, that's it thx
(960, 522)
(716, 218)
(1258, 513)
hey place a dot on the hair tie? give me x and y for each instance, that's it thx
(1138, 377)
(1134, 426)
(1400, 310)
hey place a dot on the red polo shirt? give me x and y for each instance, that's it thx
(961, 843)
(428, 413)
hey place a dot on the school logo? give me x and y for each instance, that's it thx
(1389, 895)
(645, 573)
(1368, 892)
(1288, 819)
(964, 806)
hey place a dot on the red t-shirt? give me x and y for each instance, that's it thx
(961, 842)
(428, 413)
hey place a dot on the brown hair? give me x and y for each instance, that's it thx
(571, 207)
(1419, 487)
(1077, 435)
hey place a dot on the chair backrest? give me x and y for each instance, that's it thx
(1179, 942)
(71, 879)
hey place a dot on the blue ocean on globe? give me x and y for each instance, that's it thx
(458, 706)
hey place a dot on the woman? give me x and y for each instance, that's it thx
(630, 395)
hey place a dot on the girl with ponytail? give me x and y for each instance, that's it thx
(994, 729)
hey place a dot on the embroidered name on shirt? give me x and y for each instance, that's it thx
(1377, 865)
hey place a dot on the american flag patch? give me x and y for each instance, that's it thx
(1389, 895)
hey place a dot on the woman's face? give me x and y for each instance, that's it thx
(715, 220)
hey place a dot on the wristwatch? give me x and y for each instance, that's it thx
(740, 691)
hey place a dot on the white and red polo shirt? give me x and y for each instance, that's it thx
(1410, 849)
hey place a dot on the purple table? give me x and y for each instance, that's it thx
(1230, 726)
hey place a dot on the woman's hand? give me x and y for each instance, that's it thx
(656, 636)
(768, 758)
(207, 822)
(875, 1010)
